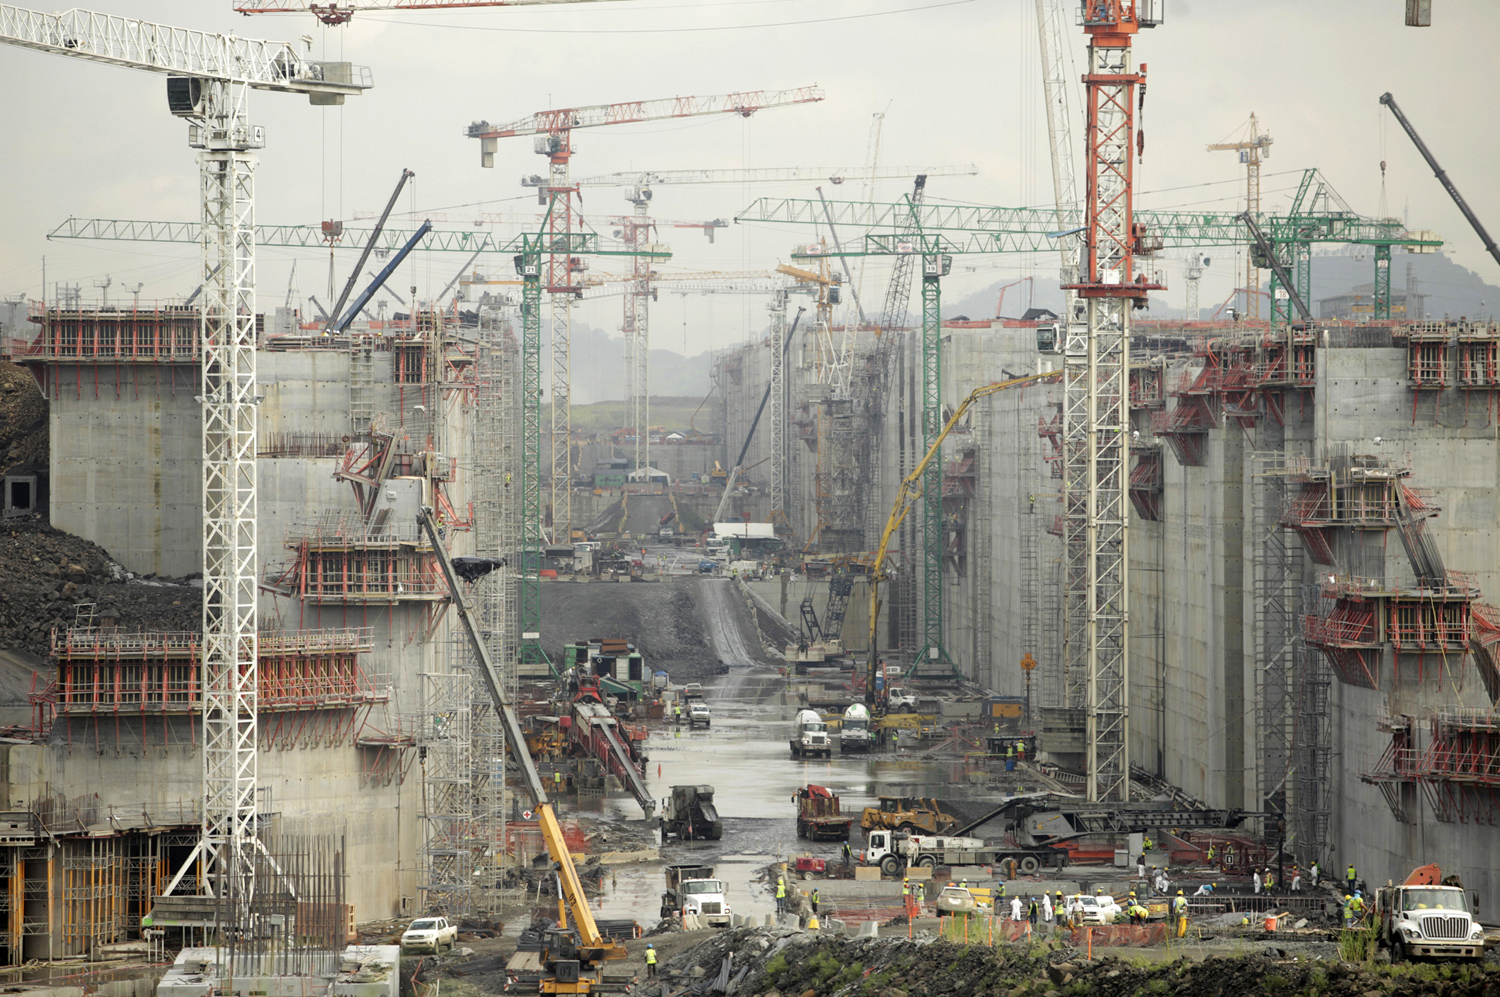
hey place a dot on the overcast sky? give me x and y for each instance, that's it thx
(959, 82)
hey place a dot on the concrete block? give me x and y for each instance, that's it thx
(770, 920)
(867, 874)
(918, 873)
(867, 929)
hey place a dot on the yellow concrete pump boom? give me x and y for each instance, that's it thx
(906, 497)
(592, 946)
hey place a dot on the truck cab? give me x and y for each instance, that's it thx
(692, 890)
(810, 736)
(1428, 922)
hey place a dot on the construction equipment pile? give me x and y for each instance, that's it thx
(45, 574)
(773, 962)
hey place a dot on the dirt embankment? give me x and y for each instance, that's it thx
(780, 964)
(45, 573)
(23, 420)
(659, 618)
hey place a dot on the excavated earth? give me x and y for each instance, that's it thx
(23, 420)
(46, 573)
(783, 964)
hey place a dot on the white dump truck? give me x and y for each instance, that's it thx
(855, 734)
(691, 889)
(810, 736)
(1427, 917)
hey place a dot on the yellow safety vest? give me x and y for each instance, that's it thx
(651, 957)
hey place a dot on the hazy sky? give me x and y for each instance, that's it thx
(959, 82)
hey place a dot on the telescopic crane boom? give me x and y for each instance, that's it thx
(906, 497)
(1442, 178)
(570, 967)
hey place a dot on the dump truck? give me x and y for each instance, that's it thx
(1427, 917)
(692, 889)
(818, 815)
(908, 814)
(854, 732)
(689, 813)
(894, 852)
(810, 736)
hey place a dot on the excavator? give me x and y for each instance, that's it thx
(572, 958)
(906, 497)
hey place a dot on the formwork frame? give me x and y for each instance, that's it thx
(1277, 568)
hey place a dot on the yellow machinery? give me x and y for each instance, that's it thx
(906, 497)
(572, 958)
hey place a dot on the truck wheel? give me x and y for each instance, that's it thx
(716, 833)
(1398, 951)
(801, 829)
(927, 861)
(1029, 865)
(889, 865)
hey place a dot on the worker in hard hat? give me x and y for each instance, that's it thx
(650, 961)
(1179, 911)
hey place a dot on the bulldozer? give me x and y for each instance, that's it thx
(914, 815)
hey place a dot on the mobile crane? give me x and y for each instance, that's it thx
(906, 497)
(572, 959)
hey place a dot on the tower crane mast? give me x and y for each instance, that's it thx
(1096, 416)
(1255, 147)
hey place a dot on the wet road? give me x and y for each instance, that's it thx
(745, 756)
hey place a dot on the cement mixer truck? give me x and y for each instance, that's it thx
(855, 733)
(810, 736)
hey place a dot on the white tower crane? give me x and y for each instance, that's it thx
(209, 79)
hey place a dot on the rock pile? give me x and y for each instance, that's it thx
(45, 573)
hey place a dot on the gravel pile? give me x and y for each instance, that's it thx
(781, 963)
(45, 573)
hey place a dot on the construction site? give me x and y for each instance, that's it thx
(331, 623)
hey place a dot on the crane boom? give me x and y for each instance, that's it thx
(562, 119)
(771, 174)
(340, 13)
(159, 48)
(515, 743)
(370, 243)
(906, 497)
(1442, 178)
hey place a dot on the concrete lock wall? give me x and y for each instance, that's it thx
(127, 468)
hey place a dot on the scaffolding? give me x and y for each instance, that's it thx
(1349, 491)
(1277, 568)
(338, 558)
(1146, 480)
(154, 335)
(1312, 823)
(1428, 355)
(1479, 356)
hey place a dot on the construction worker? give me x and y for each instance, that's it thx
(1137, 913)
(1270, 880)
(1047, 907)
(1348, 911)
(1350, 878)
(1140, 866)
(650, 961)
(1032, 910)
(1315, 872)
(1296, 880)
(1206, 890)
(1146, 843)
(813, 899)
(1015, 908)
(1179, 909)
(677, 712)
(1010, 757)
(905, 889)
(1211, 854)
(848, 856)
(780, 895)
(963, 884)
(1357, 906)
(557, 782)
(1021, 751)
(1257, 880)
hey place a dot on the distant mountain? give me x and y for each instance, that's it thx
(598, 367)
(1448, 288)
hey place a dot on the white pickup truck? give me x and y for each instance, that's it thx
(429, 933)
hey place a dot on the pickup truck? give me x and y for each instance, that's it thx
(698, 715)
(1425, 918)
(429, 933)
